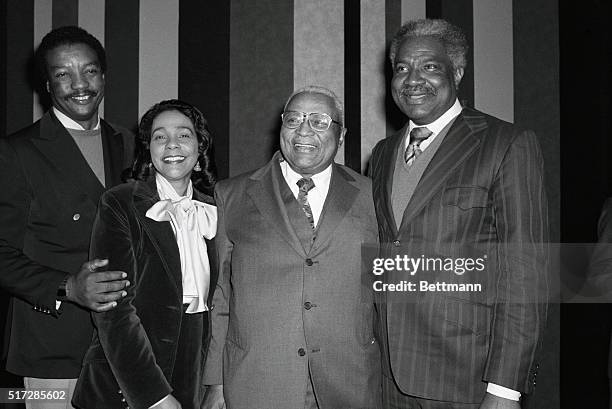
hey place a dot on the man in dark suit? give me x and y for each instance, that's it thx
(292, 328)
(54, 172)
(457, 184)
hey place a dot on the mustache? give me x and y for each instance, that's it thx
(419, 89)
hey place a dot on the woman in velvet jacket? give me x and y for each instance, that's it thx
(149, 350)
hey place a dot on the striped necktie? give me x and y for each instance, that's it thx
(417, 135)
(305, 184)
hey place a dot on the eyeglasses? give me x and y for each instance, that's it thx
(318, 121)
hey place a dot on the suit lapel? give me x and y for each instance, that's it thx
(459, 143)
(112, 145)
(56, 144)
(386, 176)
(265, 191)
(160, 233)
(340, 198)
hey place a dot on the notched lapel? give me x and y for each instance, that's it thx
(160, 233)
(56, 144)
(112, 145)
(459, 143)
(340, 198)
(265, 192)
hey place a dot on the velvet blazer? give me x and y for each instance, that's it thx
(132, 354)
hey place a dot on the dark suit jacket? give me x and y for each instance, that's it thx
(48, 199)
(134, 348)
(481, 194)
(282, 306)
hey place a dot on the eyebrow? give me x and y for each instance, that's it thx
(176, 127)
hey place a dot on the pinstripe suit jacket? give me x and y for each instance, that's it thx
(481, 194)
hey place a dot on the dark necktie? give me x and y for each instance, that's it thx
(305, 184)
(417, 135)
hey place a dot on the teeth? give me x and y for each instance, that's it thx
(81, 98)
(303, 145)
(174, 158)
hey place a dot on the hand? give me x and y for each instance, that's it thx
(491, 401)
(169, 402)
(213, 398)
(96, 291)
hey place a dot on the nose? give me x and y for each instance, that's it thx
(304, 128)
(79, 82)
(414, 77)
(172, 142)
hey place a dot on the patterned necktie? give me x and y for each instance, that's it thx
(305, 184)
(417, 135)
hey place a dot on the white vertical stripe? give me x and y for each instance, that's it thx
(42, 25)
(91, 18)
(413, 9)
(493, 58)
(319, 47)
(158, 52)
(373, 87)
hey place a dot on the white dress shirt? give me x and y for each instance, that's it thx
(316, 195)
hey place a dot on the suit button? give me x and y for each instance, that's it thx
(309, 262)
(396, 243)
(76, 216)
(307, 305)
(301, 352)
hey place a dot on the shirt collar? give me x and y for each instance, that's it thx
(320, 179)
(70, 123)
(439, 124)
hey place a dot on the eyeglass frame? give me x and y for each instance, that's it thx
(306, 117)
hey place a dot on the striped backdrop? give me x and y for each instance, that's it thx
(239, 60)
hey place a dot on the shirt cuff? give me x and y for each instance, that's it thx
(503, 392)
(160, 401)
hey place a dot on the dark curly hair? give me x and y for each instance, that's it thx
(203, 180)
(67, 35)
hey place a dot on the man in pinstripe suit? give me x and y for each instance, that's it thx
(456, 183)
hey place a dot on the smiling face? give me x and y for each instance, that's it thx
(307, 151)
(424, 83)
(75, 82)
(174, 148)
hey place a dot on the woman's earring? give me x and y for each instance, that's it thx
(197, 167)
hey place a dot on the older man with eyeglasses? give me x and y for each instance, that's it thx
(291, 326)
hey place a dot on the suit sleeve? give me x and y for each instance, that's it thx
(126, 344)
(21, 276)
(521, 219)
(213, 370)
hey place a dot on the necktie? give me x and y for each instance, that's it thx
(417, 135)
(305, 184)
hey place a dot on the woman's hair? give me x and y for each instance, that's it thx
(203, 180)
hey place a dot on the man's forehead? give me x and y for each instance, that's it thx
(312, 100)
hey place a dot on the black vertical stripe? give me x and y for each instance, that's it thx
(121, 42)
(3, 82)
(21, 76)
(204, 68)
(261, 79)
(393, 21)
(461, 14)
(352, 84)
(64, 13)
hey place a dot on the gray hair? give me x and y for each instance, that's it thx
(451, 36)
(315, 89)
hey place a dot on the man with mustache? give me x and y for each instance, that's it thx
(291, 326)
(457, 184)
(53, 173)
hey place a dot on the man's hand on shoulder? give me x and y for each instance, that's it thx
(213, 398)
(97, 291)
(491, 401)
